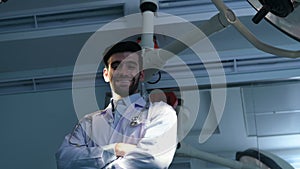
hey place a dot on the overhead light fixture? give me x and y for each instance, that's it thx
(289, 24)
(283, 14)
(2, 1)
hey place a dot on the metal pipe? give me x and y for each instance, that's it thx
(229, 14)
(186, 150)
(214, 24)
(181, 3)
(148, 8)
(157, 59)
(148, 30)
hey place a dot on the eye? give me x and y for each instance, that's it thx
(115, 65)
(131, 66)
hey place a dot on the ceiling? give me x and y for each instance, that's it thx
(41, 34)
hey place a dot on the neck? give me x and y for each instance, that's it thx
(116, 96)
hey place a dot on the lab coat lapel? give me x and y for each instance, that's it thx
(126, 133)
(101, 129)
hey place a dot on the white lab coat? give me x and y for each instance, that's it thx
(91, 144)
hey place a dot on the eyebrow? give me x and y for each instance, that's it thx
(124, 61)
(131, 62)
(115, 62)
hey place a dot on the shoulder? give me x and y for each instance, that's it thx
(161, 105)
(89, 117)
(162, 109)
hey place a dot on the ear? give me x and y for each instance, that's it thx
(142, 76)
(105, 75)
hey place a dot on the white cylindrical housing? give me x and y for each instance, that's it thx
(148, 30)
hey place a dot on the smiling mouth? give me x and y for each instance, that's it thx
(124, 80)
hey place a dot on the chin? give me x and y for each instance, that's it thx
(122, 93)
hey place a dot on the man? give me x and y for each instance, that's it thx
(130, 133)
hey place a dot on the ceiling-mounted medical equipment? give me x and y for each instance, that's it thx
(148, 9)
(218, 22)
(234, 21)
(280, 8)
(283, 14)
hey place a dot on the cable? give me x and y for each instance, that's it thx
(156, 81)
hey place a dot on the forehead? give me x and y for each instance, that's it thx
(124, 56)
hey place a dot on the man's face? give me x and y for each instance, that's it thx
(123, 73)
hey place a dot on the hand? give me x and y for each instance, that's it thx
(122, 148)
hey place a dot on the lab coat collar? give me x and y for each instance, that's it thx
(134, 102)
(135, 99)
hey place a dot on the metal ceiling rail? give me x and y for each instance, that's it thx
(91, 13)
(60, 18)
(89, 17)
(180, 3)
(239, 65)
(231, 67)
(47, 83)
(179, 7)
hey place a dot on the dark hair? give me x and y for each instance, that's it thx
(125, 46)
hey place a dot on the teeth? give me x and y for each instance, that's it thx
(123, 80)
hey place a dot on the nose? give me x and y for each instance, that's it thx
(122, 70)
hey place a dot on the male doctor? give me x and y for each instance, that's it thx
(130, 133)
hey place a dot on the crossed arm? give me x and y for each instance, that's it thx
(155, 150)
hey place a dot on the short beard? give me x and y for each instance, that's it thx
(135, 84)
(133, 88)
